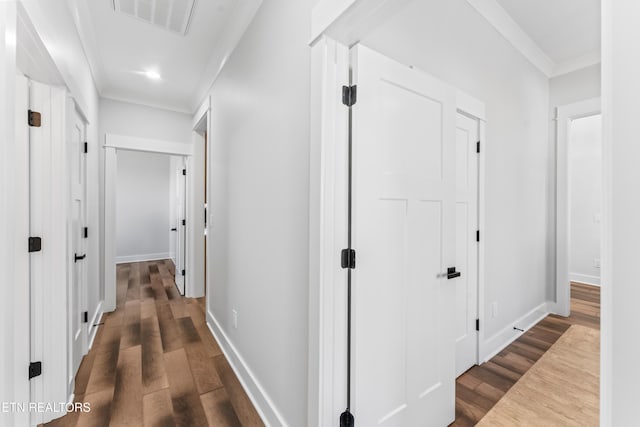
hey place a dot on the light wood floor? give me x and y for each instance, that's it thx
(481, 387)
(561, 389)
(155, 363)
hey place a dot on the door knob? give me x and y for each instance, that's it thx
(77, 257)
(452, 273)
(174, 229)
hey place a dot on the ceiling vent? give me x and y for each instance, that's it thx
(172, 15)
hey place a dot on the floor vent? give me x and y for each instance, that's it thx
(172, 15)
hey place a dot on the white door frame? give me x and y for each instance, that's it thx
(334, 29)
(200, 118)
(112, 144)
(565, 115)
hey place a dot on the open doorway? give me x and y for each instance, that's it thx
(585, 199)
(201, 196)
(151, 211)
(186, 251)
(578, 199)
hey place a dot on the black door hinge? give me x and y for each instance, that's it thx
(478, 147)
(86, 147)
(184, 222)
(184, 172)
(85, 232)
(34, 119)
(477, 324)
(85, 317)
(35, 369)
(477, 235)
(349, 95)
(184, 272)
(35, 244)
(348, 258)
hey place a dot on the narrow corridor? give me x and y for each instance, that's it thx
(155, 363)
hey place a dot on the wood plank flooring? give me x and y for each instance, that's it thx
(154, 362)
(481, 387)
(561, 389)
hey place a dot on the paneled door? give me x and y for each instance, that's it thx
(181, 214)
(404, 218)
(466, 242)
(79, 235)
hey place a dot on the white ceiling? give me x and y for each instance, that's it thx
(121, 47)
(567, 31)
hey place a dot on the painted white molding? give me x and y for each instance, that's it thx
(110, 200)
(327, 233)
(142, 257)
(482, 220)
(95, 319)
(575, 64)
(202, 113)
(348, 21)
(257, 394)
(501, 339)
(587, 279)
(564, 116)
(133, 143)
(514, 34)
(611, 22)
(470, 106)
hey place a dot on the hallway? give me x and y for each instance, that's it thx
(154, 362)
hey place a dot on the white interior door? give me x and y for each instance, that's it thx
(78, 167)
(404, 125)
(466, 243)
(181, 215)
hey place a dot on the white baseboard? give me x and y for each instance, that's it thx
(257, 394)
(93, 330)
(142, 257)
(500, 340)
(584, 278)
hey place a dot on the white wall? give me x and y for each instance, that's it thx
(259, 147)
(451, 41)
(575, 86)
(143, 219)
(620, 373)
(585, 181)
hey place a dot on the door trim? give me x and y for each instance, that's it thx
(112, 144)
(565, 114)
(327, 230)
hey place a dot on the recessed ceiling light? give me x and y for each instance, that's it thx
(153, 75)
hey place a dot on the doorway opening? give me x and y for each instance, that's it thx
(202, 196)
(151, 211)
(578, 198)
(187, 255)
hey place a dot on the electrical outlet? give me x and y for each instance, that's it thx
(235, 319)
(597, 218)
(494, 309)
(596, 263)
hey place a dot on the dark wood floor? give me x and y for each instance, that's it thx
(480, 388)
(155, 363)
